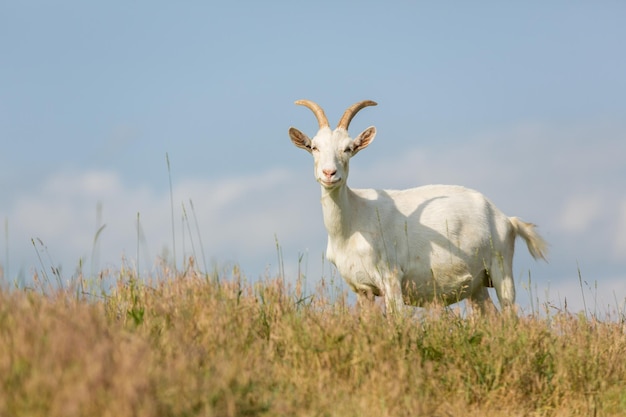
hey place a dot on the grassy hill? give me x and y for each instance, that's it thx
(190, 345)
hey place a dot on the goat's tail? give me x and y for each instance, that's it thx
(537, 247)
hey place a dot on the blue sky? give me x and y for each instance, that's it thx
(525, 102)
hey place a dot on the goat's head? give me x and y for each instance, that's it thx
(332, 149)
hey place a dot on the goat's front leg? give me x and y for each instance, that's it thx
(366, 301)
(394, 302)
(480, 298)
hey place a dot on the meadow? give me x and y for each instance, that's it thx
(192, 344)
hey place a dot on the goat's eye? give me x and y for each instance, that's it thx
(314, 148)
(348, 149)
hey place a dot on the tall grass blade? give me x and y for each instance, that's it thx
(530, 294)
(195, 219)
(95, 247)
(582, 290)
(281, 263)
(169, 175)
(186, 222)
(43, 266)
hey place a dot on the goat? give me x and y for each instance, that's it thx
(440, 243)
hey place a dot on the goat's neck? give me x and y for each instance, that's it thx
(336, 209)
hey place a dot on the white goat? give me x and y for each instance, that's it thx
(414, 246)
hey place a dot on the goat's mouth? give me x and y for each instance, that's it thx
(329, 183)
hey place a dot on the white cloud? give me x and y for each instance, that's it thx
(237, 218)
(62, 213)
(579, 213)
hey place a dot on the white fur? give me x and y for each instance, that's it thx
(414, 246)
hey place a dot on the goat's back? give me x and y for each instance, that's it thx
(438, 220)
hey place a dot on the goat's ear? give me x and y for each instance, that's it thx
(365, 138)
(300, 139)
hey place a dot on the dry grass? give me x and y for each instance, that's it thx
(188, 346)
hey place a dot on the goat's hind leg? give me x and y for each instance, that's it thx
(501, 274)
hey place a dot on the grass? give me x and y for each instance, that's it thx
(192, 345)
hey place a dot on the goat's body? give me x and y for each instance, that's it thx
(433, 243)
(415, 246)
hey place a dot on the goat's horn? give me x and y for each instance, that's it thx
(352, 111)
(317, 110)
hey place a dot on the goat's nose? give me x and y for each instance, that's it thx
(329, 172)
